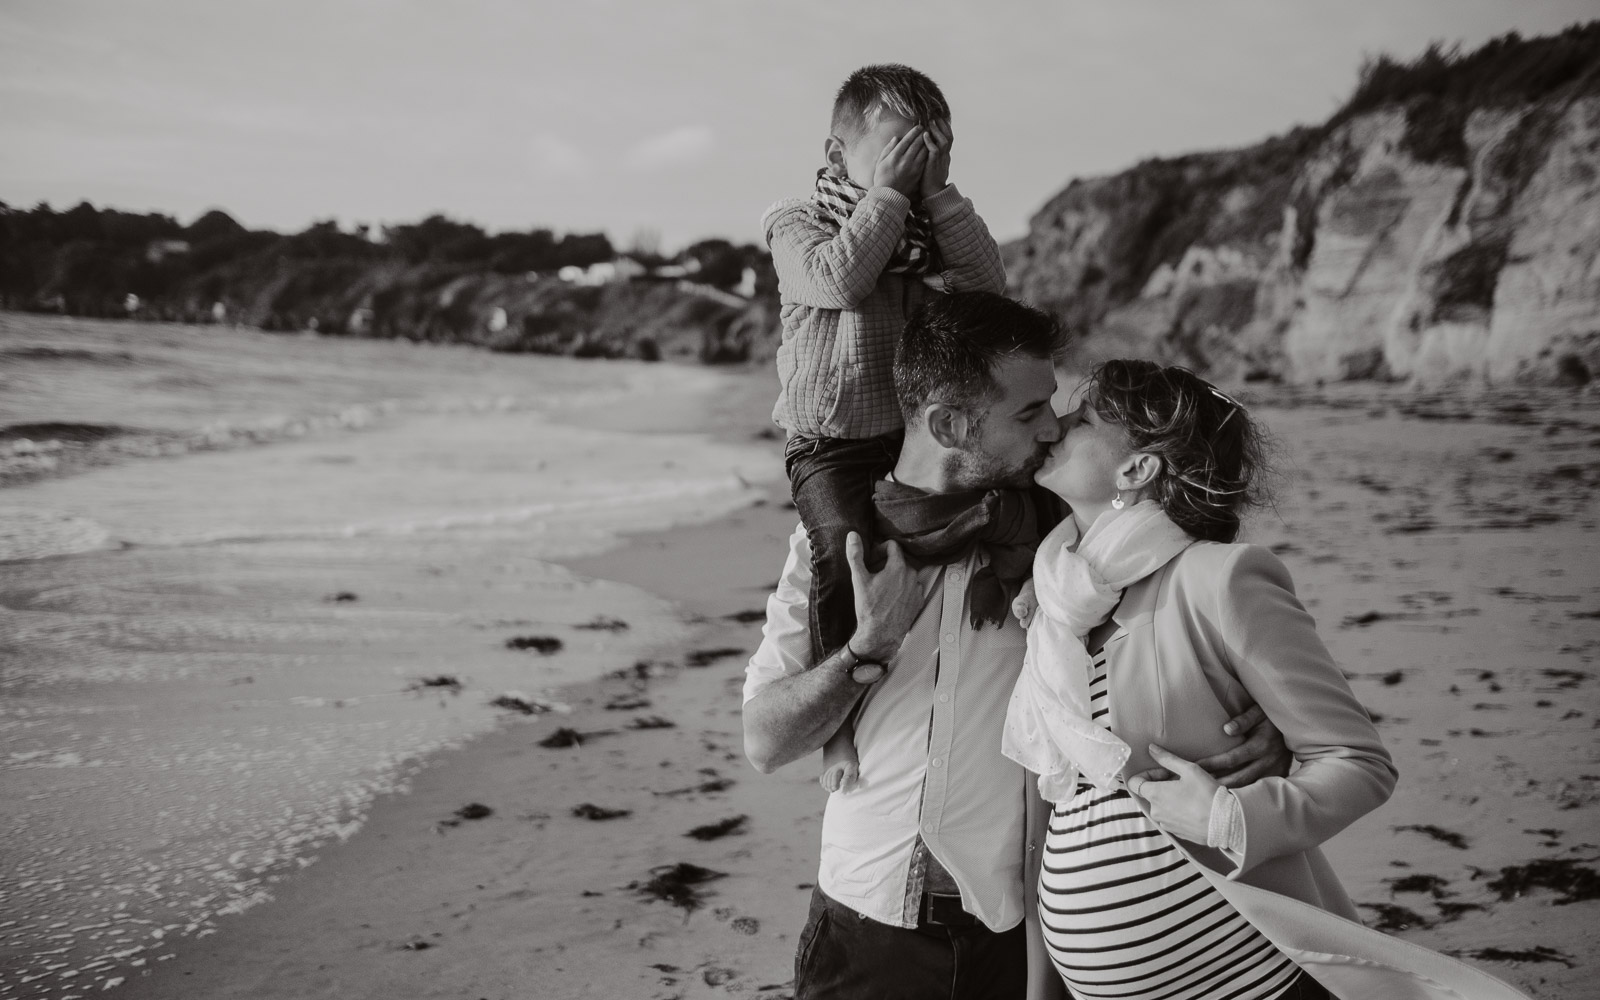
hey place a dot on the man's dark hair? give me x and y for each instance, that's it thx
(900, 89)
(949, 348)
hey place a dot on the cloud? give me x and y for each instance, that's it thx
(678, 147)
(556, 156)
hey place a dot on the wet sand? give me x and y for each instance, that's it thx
(1447, 547)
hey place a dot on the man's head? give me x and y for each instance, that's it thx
(975, 372)
(876, 104)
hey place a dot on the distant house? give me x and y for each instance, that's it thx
(604, 273)
(159, 250)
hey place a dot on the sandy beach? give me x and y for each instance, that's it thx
(1447, 546)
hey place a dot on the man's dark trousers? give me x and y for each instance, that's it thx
(846, 956)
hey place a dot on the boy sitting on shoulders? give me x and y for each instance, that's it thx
(883, 231)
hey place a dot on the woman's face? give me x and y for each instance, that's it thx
(1082, 467)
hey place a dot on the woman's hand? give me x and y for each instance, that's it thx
(1180, 805)
(1026, 603)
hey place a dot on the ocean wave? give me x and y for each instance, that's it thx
(27, 533)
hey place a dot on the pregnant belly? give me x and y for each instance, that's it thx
(1127, 915)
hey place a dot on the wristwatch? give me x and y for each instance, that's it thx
(862, 671)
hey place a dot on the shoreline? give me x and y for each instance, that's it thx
(411, 906)
(1445, 611)
(542, 876)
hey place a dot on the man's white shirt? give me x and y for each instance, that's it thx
(928, 736)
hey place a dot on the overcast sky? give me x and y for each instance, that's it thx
(685, 117)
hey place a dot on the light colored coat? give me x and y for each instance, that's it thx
(1215, 630)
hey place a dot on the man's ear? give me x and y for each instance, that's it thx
(947, 424)
(833, 153)
(1138, 471)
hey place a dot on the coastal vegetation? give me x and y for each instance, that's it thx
(438, 280)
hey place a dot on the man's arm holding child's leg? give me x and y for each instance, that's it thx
(791, 716)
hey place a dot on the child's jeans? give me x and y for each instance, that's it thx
(832, 480)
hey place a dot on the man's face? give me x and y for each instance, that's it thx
(1014, 435)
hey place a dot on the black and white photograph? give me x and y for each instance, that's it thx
(881, 500)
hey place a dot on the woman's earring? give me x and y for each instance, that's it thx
(1117, 502)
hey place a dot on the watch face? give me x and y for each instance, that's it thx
(867, 673)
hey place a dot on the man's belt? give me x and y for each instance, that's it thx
(944, 910)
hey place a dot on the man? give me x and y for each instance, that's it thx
(921, 889)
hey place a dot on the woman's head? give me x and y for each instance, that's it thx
(1151, 432)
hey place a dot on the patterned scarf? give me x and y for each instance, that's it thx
(838, 198)
(941, 528)
(1050, 729)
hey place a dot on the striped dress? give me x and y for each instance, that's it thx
(1127, 915)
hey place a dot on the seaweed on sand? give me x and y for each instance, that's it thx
(544, 645)
(1395, 918)
(590, 811)
(1418, 883)
(652, 722)
(706, 657)
(1438, 833)
(1574, 881)
(715, 831)
(604, 623)
(1538, 953)
(677, 884)
(566, 737)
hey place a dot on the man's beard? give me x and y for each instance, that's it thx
(978, 470)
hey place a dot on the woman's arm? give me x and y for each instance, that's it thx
(1272, 644)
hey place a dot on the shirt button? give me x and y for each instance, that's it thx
(944, 697)
(955, 576)
(928, 827)
(949, 637)
(937, 762)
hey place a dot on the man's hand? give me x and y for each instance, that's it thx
(1180, 805)
(902, 162)
(1263, 754)
(936, 173)
(887, 602)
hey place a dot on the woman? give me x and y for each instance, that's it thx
(1153, 627)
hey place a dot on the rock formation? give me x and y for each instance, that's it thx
(1447, 233)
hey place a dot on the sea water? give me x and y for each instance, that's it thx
(216, 636)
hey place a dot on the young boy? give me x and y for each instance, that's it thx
(883, 231)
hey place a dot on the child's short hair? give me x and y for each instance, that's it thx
(900, 89)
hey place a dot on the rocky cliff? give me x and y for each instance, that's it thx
(1444, 226)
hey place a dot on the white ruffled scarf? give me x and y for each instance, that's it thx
(1048, 726)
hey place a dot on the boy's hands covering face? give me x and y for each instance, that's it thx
(936, 174)
(902, 163)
